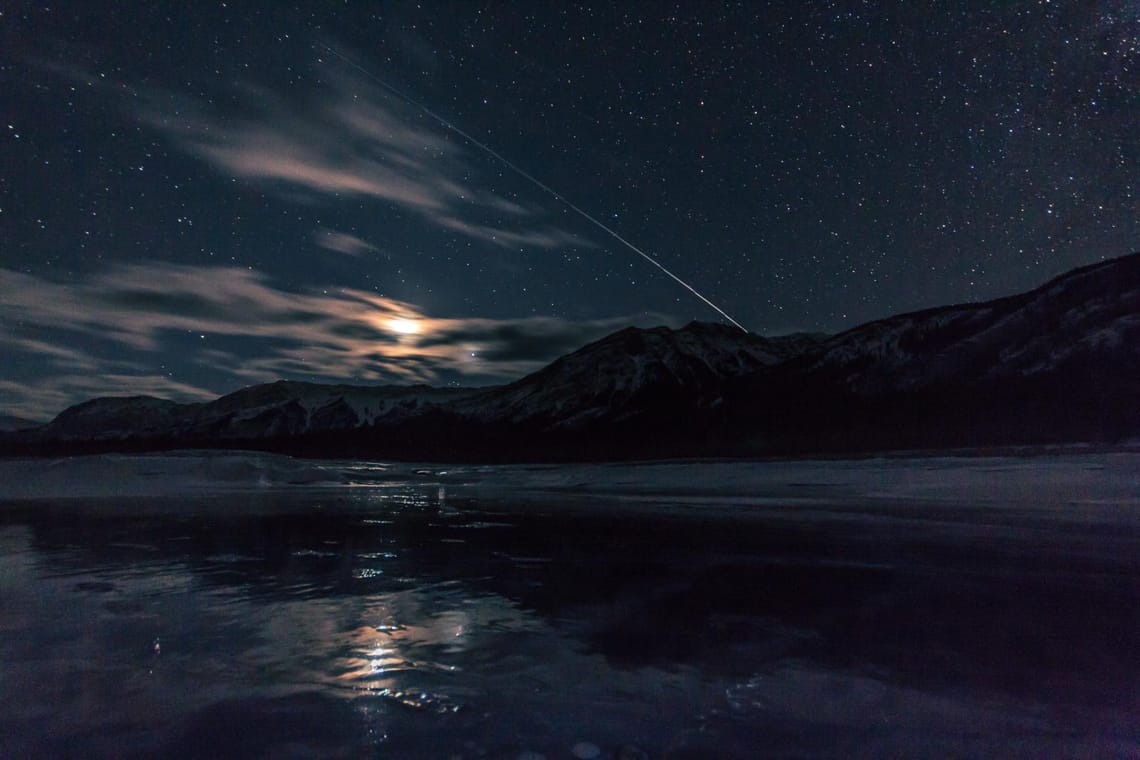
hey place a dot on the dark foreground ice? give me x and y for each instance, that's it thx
(215, 605)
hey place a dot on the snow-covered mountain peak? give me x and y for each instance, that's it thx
(1057, 363)
(626, 373)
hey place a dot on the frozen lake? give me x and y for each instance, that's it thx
(208, 604)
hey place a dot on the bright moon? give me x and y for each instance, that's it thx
(404, 326)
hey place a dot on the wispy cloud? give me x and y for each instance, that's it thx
(352, 140)
(40, 401)
(128, 316)
(341, 242)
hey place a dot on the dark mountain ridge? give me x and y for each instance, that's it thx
(1060, 363)
(618, 377)
(282, 409)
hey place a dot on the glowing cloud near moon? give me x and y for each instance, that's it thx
(404, 326)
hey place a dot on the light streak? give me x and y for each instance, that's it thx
(530, 177)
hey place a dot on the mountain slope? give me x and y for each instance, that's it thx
(11, 423)
(1089, 311)
(271, 411)
(634, 373)
(1059, 363)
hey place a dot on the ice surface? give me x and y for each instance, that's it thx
(1057, 479)
(1037, 480)
(892, 607)
(153, 474)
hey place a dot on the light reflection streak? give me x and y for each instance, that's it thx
(401, 662)
(414, 647)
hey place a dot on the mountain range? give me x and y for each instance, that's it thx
(1058, 364)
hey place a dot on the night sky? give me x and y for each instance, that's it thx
(199, 196)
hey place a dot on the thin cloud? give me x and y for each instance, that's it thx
(353, 141)
(47, 396)
(139, 312)
(548, 238)
(341, 242)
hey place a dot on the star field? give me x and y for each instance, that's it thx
(197, 198)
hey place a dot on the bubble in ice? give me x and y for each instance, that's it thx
(586, 751)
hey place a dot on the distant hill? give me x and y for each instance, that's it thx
(10, 423)
(280, 410)
(1058, 364)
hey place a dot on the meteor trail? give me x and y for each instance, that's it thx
(522, 173)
